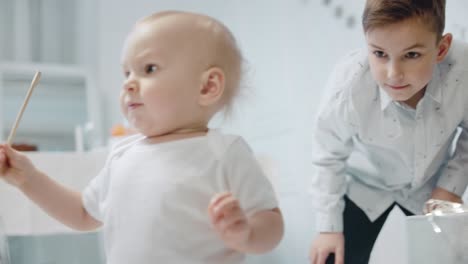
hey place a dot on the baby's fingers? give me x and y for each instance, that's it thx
(226, 208)
(219, 198)
(15, 159)
(215, 201)
(231, 218)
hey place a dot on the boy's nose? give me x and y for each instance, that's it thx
(394, 72)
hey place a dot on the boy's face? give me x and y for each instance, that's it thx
(402, 57)
(162, 79)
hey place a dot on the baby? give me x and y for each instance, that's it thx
(177, 192)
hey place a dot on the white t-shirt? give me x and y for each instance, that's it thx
(153, 199)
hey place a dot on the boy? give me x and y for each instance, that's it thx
(384, 135)
(178, 192)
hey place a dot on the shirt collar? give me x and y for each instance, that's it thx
(385, 100)
(434, 87)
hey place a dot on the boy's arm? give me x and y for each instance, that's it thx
(58, 201)
(335, 125)
(334, 128)
(454, 179)
(332, 146)
(442, 194)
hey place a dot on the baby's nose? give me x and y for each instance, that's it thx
(130, 85)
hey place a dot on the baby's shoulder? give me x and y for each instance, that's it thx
(222, 144)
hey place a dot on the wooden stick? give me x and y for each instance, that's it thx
(34, 82)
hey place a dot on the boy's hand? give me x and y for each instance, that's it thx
(14, 166)
(442, 194)
(229, 221)
(326, 244)
(439, 198)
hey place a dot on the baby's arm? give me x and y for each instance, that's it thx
(58, 201)
(258, 233)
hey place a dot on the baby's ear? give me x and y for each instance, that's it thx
(212, 87)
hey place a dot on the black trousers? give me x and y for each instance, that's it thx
(360, 233)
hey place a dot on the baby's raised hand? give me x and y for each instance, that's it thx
(229, 220)
(15, 167)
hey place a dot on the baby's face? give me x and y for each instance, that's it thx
(162, 80)
(402, 57)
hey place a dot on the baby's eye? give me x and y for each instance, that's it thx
(412, 55)
(380, 54)
(150, 68)
(126, 74)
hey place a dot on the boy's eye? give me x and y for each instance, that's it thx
(150, 68)
(412, 55)
(380, 54)
(126, 74)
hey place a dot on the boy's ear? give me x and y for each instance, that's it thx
(444, 46)
(212, 87)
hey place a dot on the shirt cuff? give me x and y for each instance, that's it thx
(453, 183)
(329, 222)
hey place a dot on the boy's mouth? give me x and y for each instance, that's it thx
(398, 87)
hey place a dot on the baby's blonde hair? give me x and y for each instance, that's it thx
(226, 56)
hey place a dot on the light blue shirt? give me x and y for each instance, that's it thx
(378, 151)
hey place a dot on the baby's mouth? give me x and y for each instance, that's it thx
(132, 106)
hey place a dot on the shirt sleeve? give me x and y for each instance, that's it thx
(455, 177)
(332, 145)
(246, 179)
(92, 195)
(96, 192)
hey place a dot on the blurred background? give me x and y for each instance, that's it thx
(290, 47)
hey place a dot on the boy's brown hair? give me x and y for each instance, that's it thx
(378, 13)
